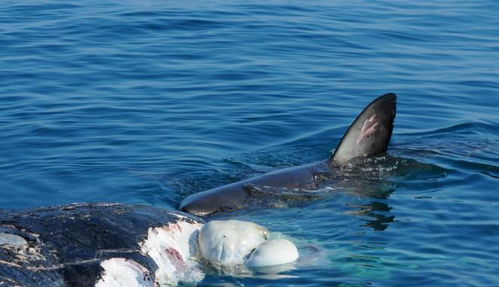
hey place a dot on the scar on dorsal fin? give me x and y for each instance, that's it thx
(369, 134)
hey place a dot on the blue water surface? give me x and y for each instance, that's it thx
(150, 101)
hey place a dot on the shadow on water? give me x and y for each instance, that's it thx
(377, 214)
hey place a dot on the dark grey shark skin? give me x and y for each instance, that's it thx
(68, 243)
(368, 135)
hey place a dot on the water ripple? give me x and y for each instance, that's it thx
(147, 102)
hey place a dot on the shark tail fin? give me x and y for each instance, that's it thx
(370, 133)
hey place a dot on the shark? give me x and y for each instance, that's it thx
(367, 136)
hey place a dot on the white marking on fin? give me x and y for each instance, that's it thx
(368, 128)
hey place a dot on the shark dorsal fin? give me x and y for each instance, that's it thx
(370, 133)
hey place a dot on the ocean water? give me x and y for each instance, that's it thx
(150, 101)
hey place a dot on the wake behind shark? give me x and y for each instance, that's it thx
(368, 135)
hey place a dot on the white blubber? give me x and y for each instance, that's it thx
(273, 252)
(170, 247)
(229, 242)
(121, 272)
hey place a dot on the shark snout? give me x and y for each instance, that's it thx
(226, 198)
(195, 207)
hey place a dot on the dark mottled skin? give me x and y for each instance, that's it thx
(75, 239)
